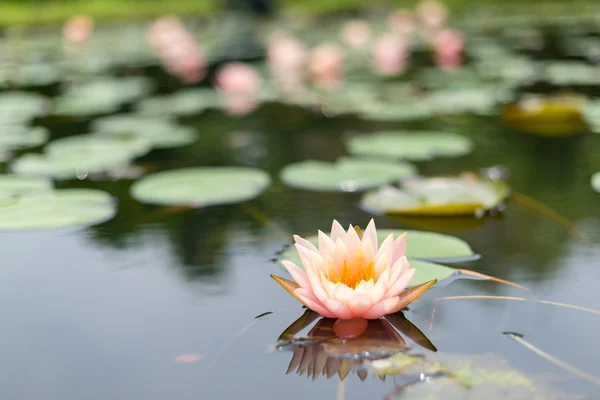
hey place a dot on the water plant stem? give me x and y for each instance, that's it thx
(554, 360)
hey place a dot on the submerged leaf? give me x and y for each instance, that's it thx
(347, 174)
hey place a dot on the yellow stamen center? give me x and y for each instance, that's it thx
(352, 277)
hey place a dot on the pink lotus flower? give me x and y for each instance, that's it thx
(432, 14)
(78, 29)
(402, 22)
(176, 48)
(356, 33)
(448, 45)
(287, 58)
(350, 276)
(390, 55)
(326, 65)
(237, 78)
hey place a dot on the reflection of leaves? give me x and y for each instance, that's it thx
(453, 376)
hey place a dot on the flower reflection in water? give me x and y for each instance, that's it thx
(322, 352)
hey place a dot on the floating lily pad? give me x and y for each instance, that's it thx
(572, 73)
(98, 143)
(410, 145)
(396, 111)
(19, 107)
(436, 78)
(201, 187)
(80, 156)
(512, 69)
(465, 377)
(184, 103)
(437, 197)
(57, 209)
(14, 137)
(101, 96)
(591, 115)
(479, 100)
(15, 185)
(160, 132)
(423, 248)
(595, 180)
(345, 175)
(554, 116)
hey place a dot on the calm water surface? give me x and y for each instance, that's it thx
(103, 312)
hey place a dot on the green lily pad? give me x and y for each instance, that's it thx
(572, 73)
(201, 187)
(183, 103)
(14, 137)
(437, 197)
(591, 115)
(101, 96)
(38, 74)
(396, 111)
(410, 145)
(436, 78)
(57, 209)
(345, 175)
(80, 156)
(465, 377)
(160, 132)
(423, 248)
(14, 185)
(99, 143)
(595, 181)
(20, 107)
(480, 100)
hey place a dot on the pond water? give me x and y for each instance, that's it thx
(160, 302)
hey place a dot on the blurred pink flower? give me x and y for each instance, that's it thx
(349, 276)
(390, 55)
(287, 58)
(78, 29)
(402, 22)
(238, 106)
(448, 46)
(180, 54)
(356, 33)
(239, 85)
(238, 78)
(326, 65)
(432, 14)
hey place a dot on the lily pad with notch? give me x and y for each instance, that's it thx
(345, 175)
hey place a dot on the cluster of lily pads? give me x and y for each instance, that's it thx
(378, 162)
